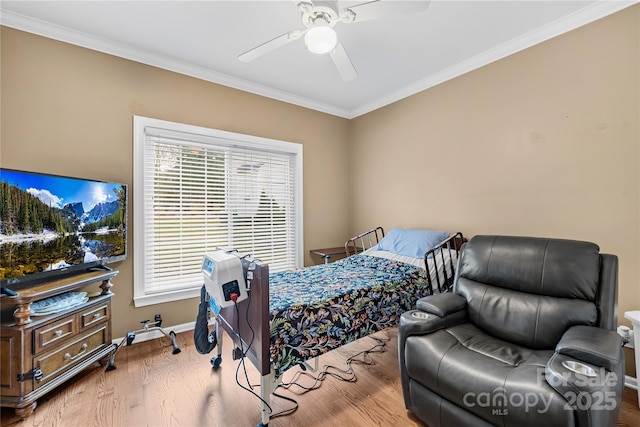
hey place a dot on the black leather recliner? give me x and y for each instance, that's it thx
(526, 338)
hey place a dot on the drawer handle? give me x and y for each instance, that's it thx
(84, 347)
(58, 333)
(96, 316)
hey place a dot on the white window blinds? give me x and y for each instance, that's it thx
(202, 189)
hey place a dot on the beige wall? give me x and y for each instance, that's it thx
(68, 110)
(542, 143)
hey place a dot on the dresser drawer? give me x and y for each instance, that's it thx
(53, 333)
(93, 316)
(54, 362)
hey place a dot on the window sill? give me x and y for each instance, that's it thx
(159, 298)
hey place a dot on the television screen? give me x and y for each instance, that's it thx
(53, 224)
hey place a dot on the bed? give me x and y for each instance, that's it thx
(297, 315)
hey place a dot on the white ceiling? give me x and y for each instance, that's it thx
(395, 56)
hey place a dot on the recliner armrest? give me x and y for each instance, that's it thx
(433, 312)
(594, 396)
(593, 345)
(442, 304)
(588, 371)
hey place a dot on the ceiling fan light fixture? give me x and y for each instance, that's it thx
(320, 39)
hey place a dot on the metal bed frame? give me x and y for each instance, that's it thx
(450, 246)
(365, 239)
(248, 322)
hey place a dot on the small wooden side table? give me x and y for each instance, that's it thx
(327, 253)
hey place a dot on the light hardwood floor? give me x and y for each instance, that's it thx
(153, 387)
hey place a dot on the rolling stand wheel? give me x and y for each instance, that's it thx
(216, 361)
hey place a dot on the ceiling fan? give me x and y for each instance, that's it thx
(320, 17)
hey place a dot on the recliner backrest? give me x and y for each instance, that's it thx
(529, 290)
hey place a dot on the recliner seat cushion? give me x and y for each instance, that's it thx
(486, 376)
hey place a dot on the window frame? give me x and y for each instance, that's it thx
(141, 297)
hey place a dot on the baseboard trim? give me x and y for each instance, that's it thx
(630, 382)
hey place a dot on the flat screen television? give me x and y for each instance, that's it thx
(53, 225)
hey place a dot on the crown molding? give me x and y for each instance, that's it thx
(578, 19)
(598, 10)
(78, 38)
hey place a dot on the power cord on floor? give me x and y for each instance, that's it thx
(347, 375)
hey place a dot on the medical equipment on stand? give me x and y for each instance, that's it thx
(240, 322)
(227, 278)
(224, 277)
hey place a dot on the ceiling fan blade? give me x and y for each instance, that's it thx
(282, 40)
(379, 9)
(343, 63)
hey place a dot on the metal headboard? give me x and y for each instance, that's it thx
(364, 241)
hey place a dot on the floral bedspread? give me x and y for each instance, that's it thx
(319, 308)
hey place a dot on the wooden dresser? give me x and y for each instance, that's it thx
(39, 353)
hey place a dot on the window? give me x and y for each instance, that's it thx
(196, 189)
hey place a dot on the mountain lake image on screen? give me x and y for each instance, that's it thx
(51, 224)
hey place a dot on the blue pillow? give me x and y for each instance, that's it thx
(413, 243)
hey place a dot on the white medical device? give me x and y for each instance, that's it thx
(224, 277)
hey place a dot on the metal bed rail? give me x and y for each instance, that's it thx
(364, 241)
(450, 247)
